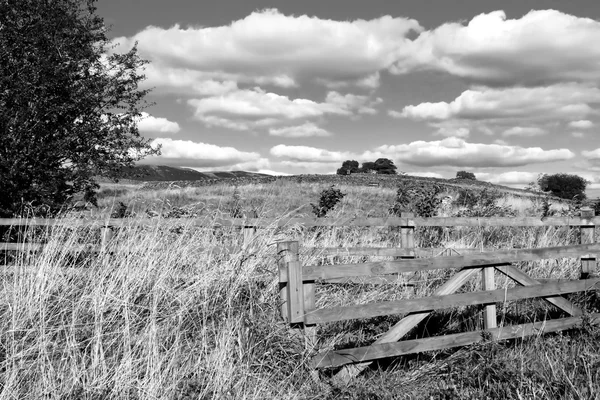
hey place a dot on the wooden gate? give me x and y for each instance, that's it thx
(297, 283)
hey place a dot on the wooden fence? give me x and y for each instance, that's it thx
(297, 281)
(297, 284)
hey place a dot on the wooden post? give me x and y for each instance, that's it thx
(286, 252)
(295, 293)
(407, 234)
(489, 312)
(106, 235)
(248, 231)
(588, 261)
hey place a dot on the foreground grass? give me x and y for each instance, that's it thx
(168, 317)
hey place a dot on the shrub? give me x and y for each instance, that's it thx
(565, 186)
(328, 200)
(465, 175)
(417, 198)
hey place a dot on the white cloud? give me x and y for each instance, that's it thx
(395, 114)
(148, 123)
(187, 153)
(542, 47)
(311, 154)
(582, 124)
(279, 48)
(524, 131)
(592, 156)
(517, 111)
(459, 153)
(511, 178)
(564, 101)
(301, 131)
(426, 174)
(578, 135)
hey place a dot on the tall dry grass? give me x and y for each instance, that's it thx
(165, 315)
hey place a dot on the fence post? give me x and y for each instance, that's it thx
(407, 234)
(588, 261)
(248, 231)
(106, 235)
(286, 252)
(295, 293)
(489, 312)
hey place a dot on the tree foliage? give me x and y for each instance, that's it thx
(565, 186)
(69, 107)
(465, 175)
(348, 167)
(380, 166)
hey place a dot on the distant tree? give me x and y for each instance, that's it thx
(465, 175)
(348, 167)
(367, 167)
(68, 107)
(565, 186)
(385, 166)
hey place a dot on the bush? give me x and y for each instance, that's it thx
(465, 175)
(328, 200)
(565, 186)
(416, 198)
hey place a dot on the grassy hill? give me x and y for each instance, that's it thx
(163, 173)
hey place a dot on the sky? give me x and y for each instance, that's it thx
(504, 89)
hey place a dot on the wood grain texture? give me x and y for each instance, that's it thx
(523, 279)
(424, 264)
(428, 304)
(407, 323)
(357, 355)
(488, 284)
(286, 252)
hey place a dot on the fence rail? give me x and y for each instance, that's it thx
(297, 285)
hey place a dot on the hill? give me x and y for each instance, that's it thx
(163, 173)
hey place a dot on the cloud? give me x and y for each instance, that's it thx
(540, 48)
(457, 152)
(301, 131)
(453, 152)
(582, 124)
(282, 49)
(515, 111)
(310, 154)
(186, 153)
(592, 158)
(524, 131)
(252, 108)
(511, 178)
(149, 123)
(426, 174)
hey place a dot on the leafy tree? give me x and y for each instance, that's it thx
(348, 167)
(465, 175)
(367, 166)
(565, 186)
(69, 107)
(385, 166)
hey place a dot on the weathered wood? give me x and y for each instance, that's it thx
(286, 252)
(441, 302)
(360, 354)
(372, 280)
(106, 235)
(295, 292)
(588, 261)
(523, 279)
(312, 272)
(407, 234)
(488, 284)
(407, 323)
(390, 251)
(311, 221)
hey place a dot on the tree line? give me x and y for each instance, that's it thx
(383, 166)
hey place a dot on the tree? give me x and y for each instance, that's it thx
(348, 167)
(69, 108)
(385, 166)
(465, 175)
(565, 186)
(367, 167)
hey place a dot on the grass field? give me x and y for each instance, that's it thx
(171, 319)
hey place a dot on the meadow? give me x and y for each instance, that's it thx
(169, 317)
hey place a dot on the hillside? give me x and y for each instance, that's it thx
(163, 173)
